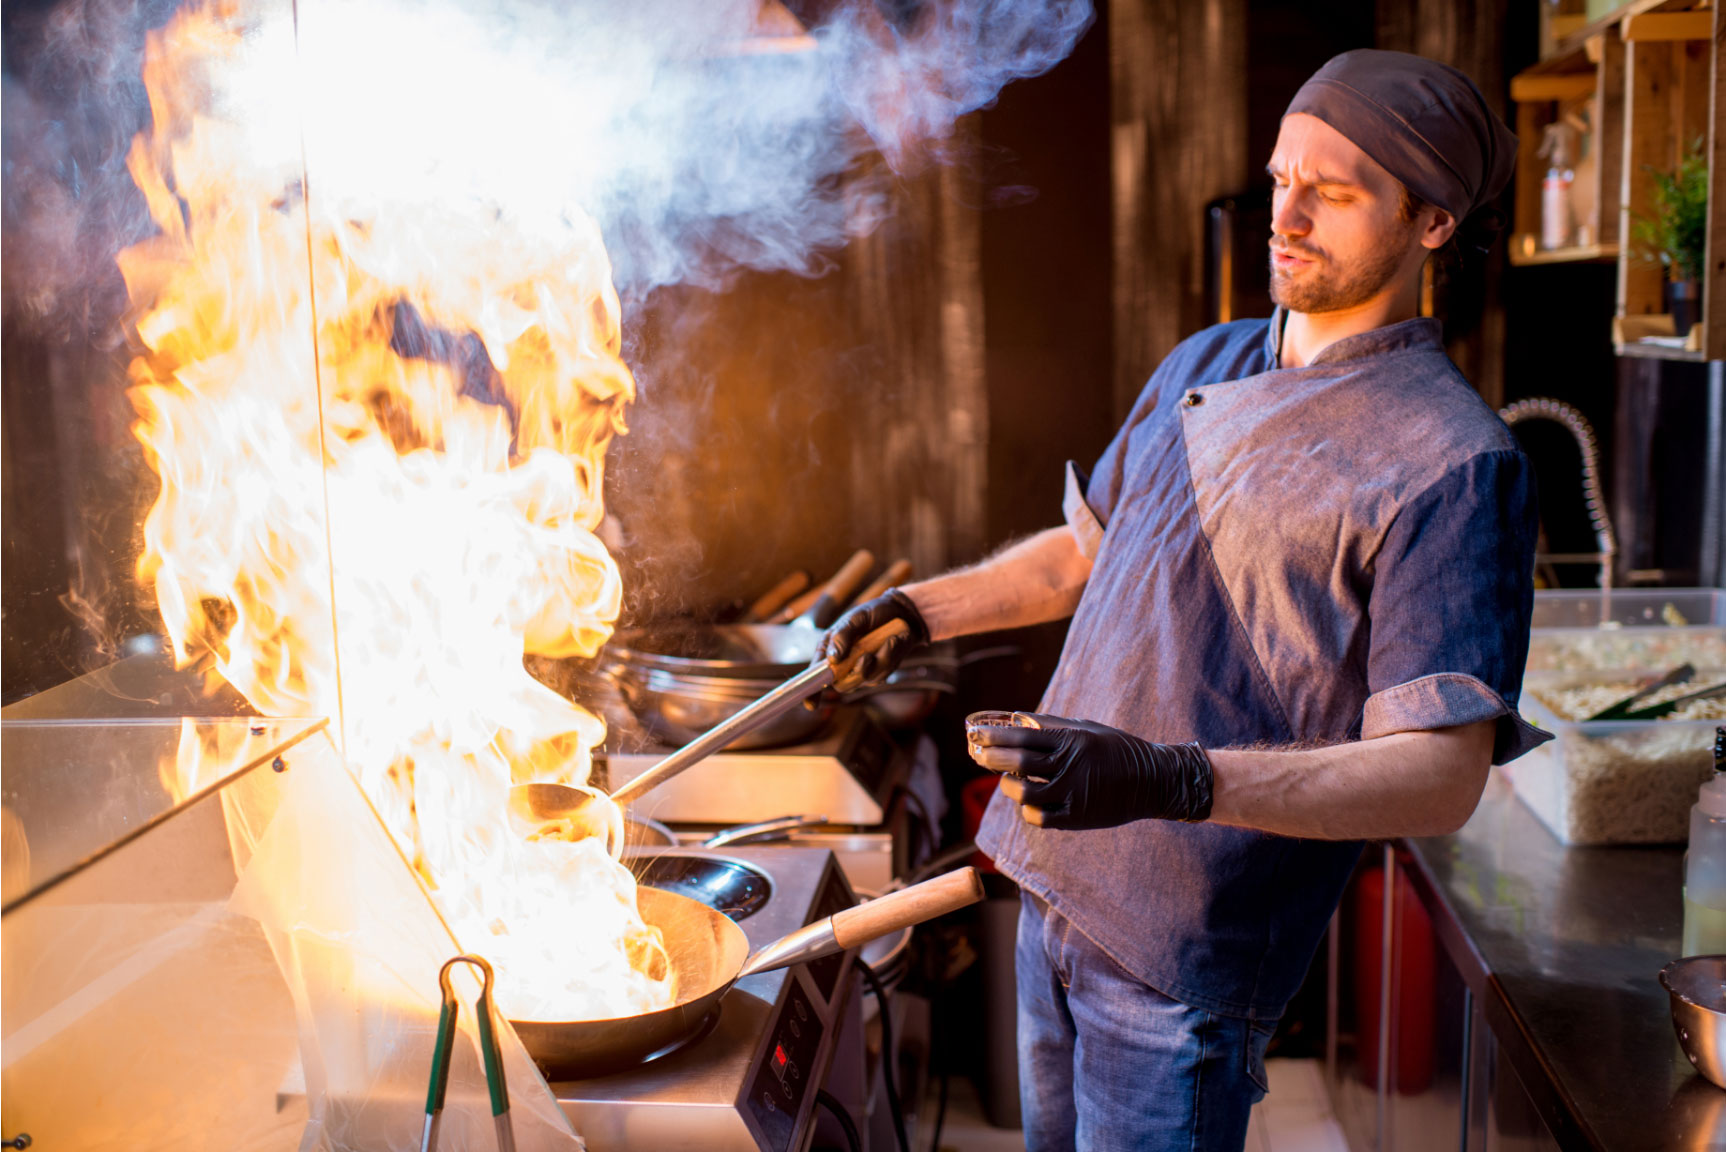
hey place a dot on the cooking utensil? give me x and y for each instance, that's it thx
(1616, 711)
(708, 953)
(834, 595)
(776, 597)
(1696, 986)
(652, 834)
(675, 708)
(818, 677)
(678, 696)
(548, 802)
(776, 829)
(444, 1046)
(897, 573)
(1667, 707)
(725, 884)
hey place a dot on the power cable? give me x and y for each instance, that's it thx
(828, 1101)
(888, 1054)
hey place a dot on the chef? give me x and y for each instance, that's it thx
(1300, 581)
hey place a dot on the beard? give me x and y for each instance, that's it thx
(1327, 288)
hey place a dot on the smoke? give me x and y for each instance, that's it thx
(703, 138)
(73, 99)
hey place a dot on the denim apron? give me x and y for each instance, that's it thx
(1281, 556)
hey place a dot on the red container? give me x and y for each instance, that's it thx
(974, 798)
(1412, 987)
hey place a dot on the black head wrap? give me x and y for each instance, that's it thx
(1425, 123)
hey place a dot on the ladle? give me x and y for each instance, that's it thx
(544, 803)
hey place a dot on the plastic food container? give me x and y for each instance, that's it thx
(1613, 781)
(1644, 628)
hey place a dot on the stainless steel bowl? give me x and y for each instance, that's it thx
(1697, 988)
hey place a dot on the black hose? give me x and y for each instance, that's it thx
(887, 1053)
(926, 835)
(943, 863)
(827, 1100)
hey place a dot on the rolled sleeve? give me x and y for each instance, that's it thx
(1087, 528)
(1451, 599)
(1445, 700)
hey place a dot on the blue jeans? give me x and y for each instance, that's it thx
(1106, 1062)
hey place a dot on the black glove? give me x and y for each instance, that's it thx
(891, 605)
(1076, 774)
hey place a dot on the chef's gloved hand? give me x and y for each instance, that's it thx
(891, 605)
(1077, 774)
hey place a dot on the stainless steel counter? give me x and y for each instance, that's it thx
(1561, 947)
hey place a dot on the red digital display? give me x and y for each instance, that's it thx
(778, 1057)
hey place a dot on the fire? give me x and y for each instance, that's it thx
(380, 431)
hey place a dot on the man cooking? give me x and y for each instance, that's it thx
(1299, 580)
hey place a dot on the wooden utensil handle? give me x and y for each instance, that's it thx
(850, 577)
(897, 573)
(837, 592)
(946, 893)
(777, 597)
(845, 677)
(798, 606)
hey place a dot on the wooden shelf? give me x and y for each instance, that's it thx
(1525, 252)
(1668, 87)
(1613, 20)
(1657, 352)
(1649, 78)
(1574, 87)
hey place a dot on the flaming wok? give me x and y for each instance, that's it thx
(709, 953)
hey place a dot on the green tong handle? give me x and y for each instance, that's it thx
(492, 1053)
(1657, 711)
(442, 1048)
(1621, 710)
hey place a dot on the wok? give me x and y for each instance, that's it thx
(708, 953)
(680, 681)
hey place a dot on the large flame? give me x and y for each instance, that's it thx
(380, 433)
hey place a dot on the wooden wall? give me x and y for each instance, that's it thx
(1178, 122)
(788, 420)
(1198, 87)
(1476, 36)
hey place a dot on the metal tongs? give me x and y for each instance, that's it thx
(1622, 709)
(489, 1049)
(1667, 707)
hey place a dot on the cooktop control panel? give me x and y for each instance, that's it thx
(835, 897)
(783, 1080)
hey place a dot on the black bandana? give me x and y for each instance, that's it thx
(1424, 122)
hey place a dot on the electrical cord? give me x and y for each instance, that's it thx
(940, 1112)
(925, 836)
(946, 861)
(828, 1101)
(887, 1053)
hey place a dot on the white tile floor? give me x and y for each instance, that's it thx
(1294, 1117)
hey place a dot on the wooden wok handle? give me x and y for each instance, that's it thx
(841, 588)
(798, 606)
(845, 677)
(777, 597)
(897, 573)
(857, 926)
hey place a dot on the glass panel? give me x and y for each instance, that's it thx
(257, 970)
(137, 471)
(76, 790)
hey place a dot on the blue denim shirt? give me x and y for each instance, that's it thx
(1316, 554)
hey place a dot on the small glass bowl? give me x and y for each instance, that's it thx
(977, 721)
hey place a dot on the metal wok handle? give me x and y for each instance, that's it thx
(742, 832)
(857, 926)
(789, 695)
